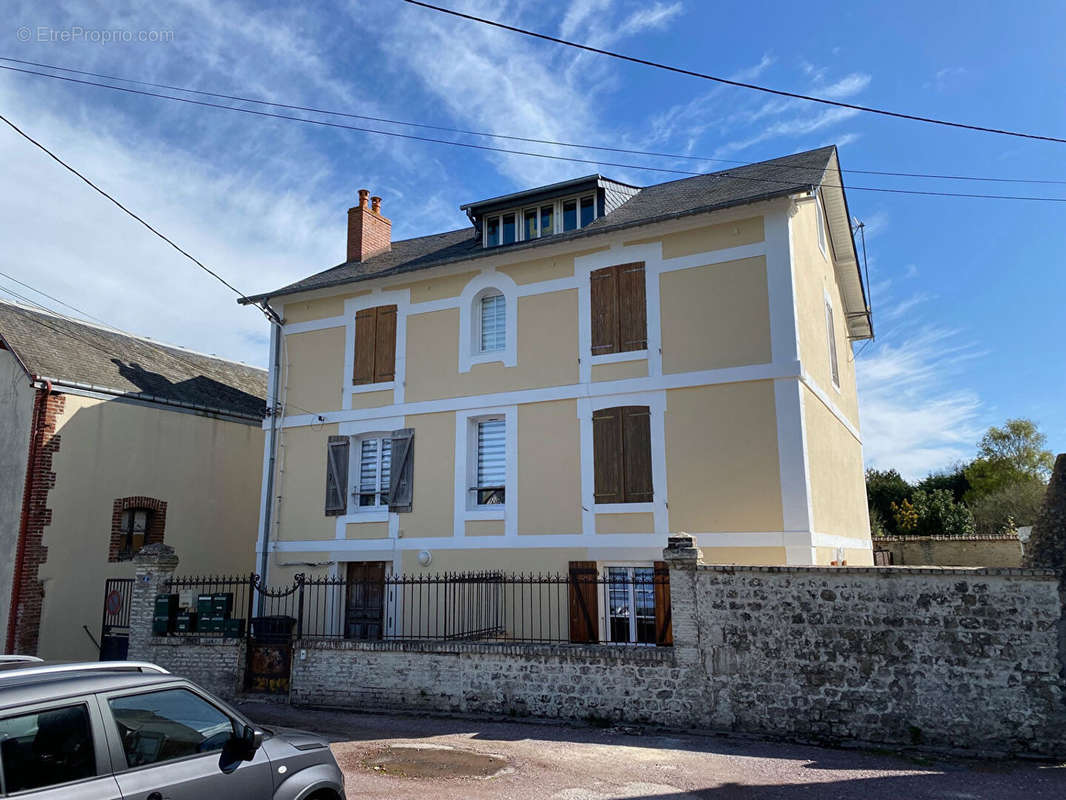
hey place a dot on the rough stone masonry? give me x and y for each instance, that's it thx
(961, 659)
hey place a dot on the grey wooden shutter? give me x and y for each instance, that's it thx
(337, 476)
(632, 308)
(636, 454)
(607, 455)
(402, 470)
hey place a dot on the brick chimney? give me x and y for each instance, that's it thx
(369, 233)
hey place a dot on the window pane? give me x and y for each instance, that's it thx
(530, 230)
(491, 455)
(492, 230)
(386, 469)
(368, 472)
(547, 220)
(588, 212)
(161, 726)
(508, 228)
(47, 748)
(644, 596)
(618, 610)
(831, 333)
(493, 323)
(569, 215)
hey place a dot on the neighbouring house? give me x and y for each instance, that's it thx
(109, 442)
(584, 369)
(977, 550)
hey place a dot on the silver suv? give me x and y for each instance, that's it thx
(132, 731)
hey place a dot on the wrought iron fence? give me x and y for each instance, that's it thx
(620, 605)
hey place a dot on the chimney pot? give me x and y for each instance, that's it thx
(369, 233)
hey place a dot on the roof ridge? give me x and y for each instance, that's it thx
(47, 312)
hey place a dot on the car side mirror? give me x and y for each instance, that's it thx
(241, 746)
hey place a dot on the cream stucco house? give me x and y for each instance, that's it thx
(584, 369)
(109, 442)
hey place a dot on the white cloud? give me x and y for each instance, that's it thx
(911, 271)
(904, 307)
(846, 87)
(915, 418)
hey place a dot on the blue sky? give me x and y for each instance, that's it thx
(968, 297)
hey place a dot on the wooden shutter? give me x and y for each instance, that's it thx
(337, 475)
(636, 454)
(607, 455)
(365, 346)
(385, 354)
(605, 311)
(584, 612)
(401, 475)
(632, 308)
(664, 629)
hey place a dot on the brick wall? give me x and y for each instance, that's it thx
(44, 444)
(154, 532)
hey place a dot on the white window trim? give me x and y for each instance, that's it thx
(656, 403)
(354, 467)
(466, 470)
(604, 588)
(470, 321)
(557, 218)
(830, 337)
(822, 234)
(618, 358)
(378, 297)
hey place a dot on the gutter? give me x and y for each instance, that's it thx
(272, 438)
(39, 401)
(150, 398)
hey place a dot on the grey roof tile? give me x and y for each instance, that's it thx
(64, 349)
(731, 187)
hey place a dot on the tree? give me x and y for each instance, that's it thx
(933, 513)
(953, 479)
(1006, 509)
(885, 488)
(1008, 455)
(1047, 545)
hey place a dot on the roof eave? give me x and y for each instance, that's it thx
(522, 246)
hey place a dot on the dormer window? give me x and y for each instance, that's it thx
(523, 225)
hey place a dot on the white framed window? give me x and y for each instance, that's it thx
(489, 487)
(821, 224)
(629, 611)
(373, 473)
(534, 222)
(492, 321)
(830, 330)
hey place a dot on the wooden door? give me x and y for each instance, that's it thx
(365, 608)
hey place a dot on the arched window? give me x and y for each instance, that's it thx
(487, 318)
(491, 331)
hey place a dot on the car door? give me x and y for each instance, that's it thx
(55, 751)
(167, 743)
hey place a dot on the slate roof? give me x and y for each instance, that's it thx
(59, 348)
(732, 187)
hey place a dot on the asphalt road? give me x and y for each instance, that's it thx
(429, 757)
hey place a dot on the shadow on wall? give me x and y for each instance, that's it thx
(200, 390)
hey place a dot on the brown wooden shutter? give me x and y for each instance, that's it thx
(385, 354)
(584, 612)
(632, 308)
(401, 470)
(365, 346)
(636, 454)
(605, 312)
(607, 455)
(337, 475)
(664, 629)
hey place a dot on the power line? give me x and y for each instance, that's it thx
(488, 148)
(531, 140)
(741, 84)
(56, 299)
(169, 241)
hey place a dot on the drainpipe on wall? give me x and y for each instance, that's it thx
(40, 400)
(272, 448)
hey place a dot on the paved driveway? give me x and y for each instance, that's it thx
(408, 757)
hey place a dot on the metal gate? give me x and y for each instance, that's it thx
(270, 636)
(115, 628)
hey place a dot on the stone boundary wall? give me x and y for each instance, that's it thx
(961, 659)
(638, 684)
(967, 659)
(953, 551)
